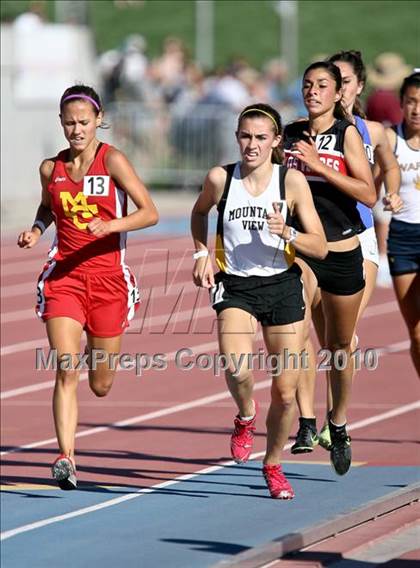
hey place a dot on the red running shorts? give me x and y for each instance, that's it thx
(102, 302)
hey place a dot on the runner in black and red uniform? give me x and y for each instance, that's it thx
(378, 151)
(328, 149)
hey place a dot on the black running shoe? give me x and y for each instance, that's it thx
(306, 438)
(340, 451)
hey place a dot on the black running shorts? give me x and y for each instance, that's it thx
(272, 300)
(339, 273)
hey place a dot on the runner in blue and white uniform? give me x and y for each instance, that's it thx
(404, 230)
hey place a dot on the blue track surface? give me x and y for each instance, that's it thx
(194, 523)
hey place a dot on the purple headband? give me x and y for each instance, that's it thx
(81, 96)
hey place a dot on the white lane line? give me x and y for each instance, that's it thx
(137, 323)
(154, 292)
(394, 347)
(202, 347)
(385, 415)
(18, 289)
(142, 417)
(128, 497)
(138, 419)
(134, 241)
(33, 388)
(391, 348)
(29, 313)
(139, 259)
(379, 309)
(110, 503)
(23, 346)
(146, 321)
(141, 270)
(170, 256)
(170, 319)
(17, 315)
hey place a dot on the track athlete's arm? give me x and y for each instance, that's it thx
(211, 193)
(44, 216)
(312, 242)
(125, 177)
(390, 168)
(387, 170)
(359, 184)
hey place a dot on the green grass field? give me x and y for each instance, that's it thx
(252, 28)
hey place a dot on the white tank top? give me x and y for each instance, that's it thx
(244, 245)
(409, 161)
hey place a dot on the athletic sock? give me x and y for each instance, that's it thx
(246, 418)
(335, 428)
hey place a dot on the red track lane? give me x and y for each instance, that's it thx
(352, 544)
(146, 452)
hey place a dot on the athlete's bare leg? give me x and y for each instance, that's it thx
(371, 271)
(104, 357)
(236, 331)
(306, 386)
(407, 290)
(64, 335)
(340, 316)
(280, 415)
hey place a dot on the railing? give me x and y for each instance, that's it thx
(174, 146)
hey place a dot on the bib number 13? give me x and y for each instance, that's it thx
(96, 185)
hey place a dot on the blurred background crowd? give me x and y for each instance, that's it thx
(170, 107)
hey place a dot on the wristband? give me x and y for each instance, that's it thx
(40, 225)
(200, 254)
(292, 237)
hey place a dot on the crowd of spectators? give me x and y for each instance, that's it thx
(185, 112)
(173, 78)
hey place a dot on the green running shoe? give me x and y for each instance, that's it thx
(325, 437)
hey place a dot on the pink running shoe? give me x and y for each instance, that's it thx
(277, 483)
(64, 472)
(242, 438)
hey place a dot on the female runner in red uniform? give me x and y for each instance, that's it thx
(85, 284)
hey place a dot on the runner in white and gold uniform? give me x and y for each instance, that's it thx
(404, 230)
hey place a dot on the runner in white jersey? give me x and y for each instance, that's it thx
(257, 279)
(404, 230)
(241, 213)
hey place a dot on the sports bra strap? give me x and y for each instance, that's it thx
(282, 185)
(230, 168)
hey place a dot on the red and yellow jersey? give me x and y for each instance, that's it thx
(74, 205)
